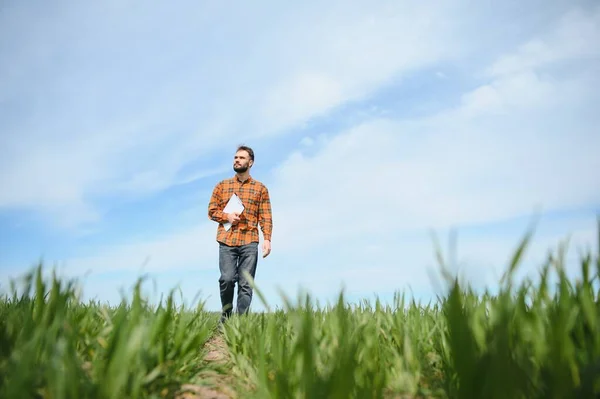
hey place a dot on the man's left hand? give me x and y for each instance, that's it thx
(266, 248)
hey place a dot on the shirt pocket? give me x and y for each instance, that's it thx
(252, 203)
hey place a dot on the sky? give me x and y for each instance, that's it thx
(376, 127)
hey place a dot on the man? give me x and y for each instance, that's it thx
(238, 247)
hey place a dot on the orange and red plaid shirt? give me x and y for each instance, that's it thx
(257, 210)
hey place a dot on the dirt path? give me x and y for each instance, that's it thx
(214, 382)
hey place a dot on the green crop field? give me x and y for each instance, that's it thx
(532, 339)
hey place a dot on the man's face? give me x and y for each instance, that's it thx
(241, 161)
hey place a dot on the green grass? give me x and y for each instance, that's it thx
(534, 339)
(54, 346)
(531, 340)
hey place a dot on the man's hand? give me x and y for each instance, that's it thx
(266, 248)
(233, 218)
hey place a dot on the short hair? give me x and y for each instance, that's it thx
(247, 149)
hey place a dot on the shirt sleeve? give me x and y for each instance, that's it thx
(264, 214)
(214, 213)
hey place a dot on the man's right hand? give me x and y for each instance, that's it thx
(233, 218)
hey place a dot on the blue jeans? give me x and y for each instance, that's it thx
(232, 260)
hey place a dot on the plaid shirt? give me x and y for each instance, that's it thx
(257, 209)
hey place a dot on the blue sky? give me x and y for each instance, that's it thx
(373, 124)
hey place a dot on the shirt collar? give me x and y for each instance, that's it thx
(248, 180)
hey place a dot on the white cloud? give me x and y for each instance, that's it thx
(384, 176)
(194, 248)
(573, 39)
(119, 111)
(307, 141)
(503, 152)
(302, 96)
(521, 143)
(515, 92)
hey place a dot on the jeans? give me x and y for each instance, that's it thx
(232, 260)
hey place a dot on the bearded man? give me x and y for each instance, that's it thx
(238, 245)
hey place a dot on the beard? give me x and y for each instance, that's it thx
(240, 169)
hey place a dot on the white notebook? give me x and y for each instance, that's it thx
(233, 205)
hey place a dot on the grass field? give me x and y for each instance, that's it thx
(534, 339)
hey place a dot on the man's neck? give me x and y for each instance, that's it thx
(243, 176)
